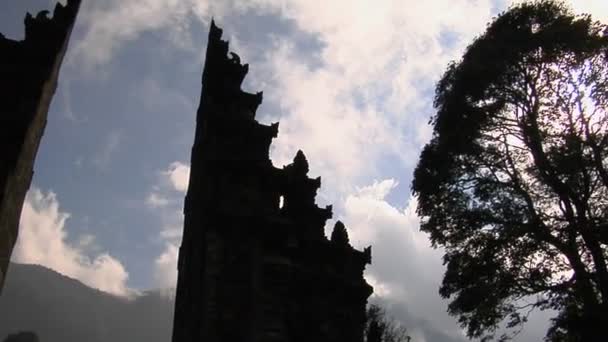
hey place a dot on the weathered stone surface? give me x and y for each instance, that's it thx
(28, 78)
(251, 269)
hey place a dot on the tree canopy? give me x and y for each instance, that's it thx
(381, 327)
(514, 183)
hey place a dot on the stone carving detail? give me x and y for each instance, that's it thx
(339, 235)
(251, 269)
(29, 70)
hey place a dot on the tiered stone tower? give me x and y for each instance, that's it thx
(255, 264)
(28, 78)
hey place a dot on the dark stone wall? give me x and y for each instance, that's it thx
(251, 269)
(28, 78)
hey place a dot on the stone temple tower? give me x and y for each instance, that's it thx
(29, 70)
(254, 264)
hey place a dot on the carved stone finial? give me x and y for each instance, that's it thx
(300, 163)
(329, 211)
(367, 255)
(215, 33)
(259, 94)
(340, 235)
(275, 128)
(45, 29)
(28, 19)
(234, 58)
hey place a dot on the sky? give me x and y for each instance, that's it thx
(350, 81)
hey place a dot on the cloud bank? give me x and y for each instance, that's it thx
(43, 240)
(169, 191)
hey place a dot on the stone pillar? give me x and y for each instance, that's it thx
(28, 78)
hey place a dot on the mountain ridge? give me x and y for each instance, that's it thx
(59, 309)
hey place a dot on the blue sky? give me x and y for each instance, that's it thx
(350, 82)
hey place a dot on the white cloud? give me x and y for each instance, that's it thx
(173, 232)
(170, 187)
(167, 200)
(363, 29)
(165, 265)
(371, 96)
(368, 100)
(87, 241)
(156, 200)
(111, 24)
(165, 270)
(43, 240)
(406, 271)
(399, 249)
(168, 194)
(597, 8)
(178, 174)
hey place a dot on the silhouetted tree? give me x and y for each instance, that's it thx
(514, 183)
(24, 336)
(380, 327)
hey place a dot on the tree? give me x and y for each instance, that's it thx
(380, 327)
(514, 182)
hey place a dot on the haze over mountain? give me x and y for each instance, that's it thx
(61, 309)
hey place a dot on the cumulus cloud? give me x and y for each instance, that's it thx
(43, 240)
(365, 100)
(405, 270)
(109, 25)
(369, 96)
(170, 187)
(178, 174)
(166, 198)
(165, 272)
(598, 9)
(156, 200)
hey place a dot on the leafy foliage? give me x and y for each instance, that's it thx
(514, 183)
(380, 327)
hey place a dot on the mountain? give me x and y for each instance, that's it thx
(61, 309)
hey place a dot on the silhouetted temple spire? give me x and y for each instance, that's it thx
(300, 163)
(339, 235)
(223, 70)
(30, 70)
(248, 266)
